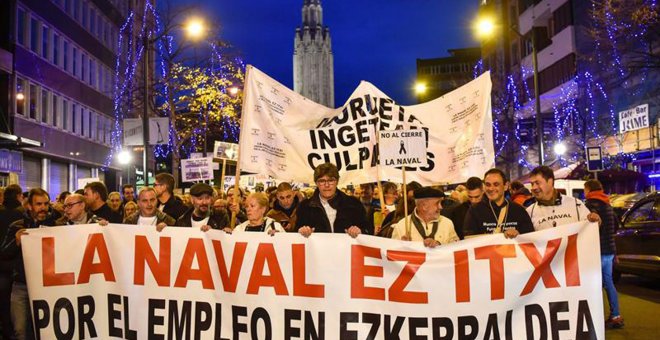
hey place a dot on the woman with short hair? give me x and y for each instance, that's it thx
(256, 206)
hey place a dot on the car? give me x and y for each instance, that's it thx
(638, 239)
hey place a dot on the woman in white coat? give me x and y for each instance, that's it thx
(256, 206)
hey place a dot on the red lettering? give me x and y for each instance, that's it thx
(194, 248)
(300, 285)
(266, 253)
(397, 291)
(542, 269)
(571, 266)
(462, 276)
(160, 268)
(496, 254)
(50, 277)
(359, 271)
(229, 278)
(96, 245)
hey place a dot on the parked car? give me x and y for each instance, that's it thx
(638, 239)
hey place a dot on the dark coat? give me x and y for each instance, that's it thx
(107, 214)
(10, 250)
(174, 207)
(457, 215)
(608, 224)
(350, 212)
(160, 217)
(482, 218)
(7, 216)
(91, 218)
(285, 217)
(216, 220)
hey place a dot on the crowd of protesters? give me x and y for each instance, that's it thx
(482, 205)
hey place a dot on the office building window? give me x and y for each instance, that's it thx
(56, 49)
(45, 40)
(92, 125)
(92, 21)
(85, 14)
(20, 26)
(66, 115)
(92, 73)
(562, 17)
(76, 10)
(65, 56)
(45, 107)
(99, 129)
(56, 110)
(34, 35)
(34, 101)
(83, 66)
(21, 96)
(74, 61)
(74, 118)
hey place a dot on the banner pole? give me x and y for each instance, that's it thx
(405, 203)
(380, 188)
(237, 178)
(222, 176)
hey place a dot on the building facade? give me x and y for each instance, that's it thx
(313, 73)
(443, 75)
(58, 72)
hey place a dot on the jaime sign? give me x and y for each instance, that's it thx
(634, 119)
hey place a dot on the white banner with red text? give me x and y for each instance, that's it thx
(286, 136)
(132, 282)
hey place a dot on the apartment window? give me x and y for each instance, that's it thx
(106, 33)
(20, 92)
(65, 55)
(84, 14)
(56, 110)
(76, 9)
(92, 21)
(45, 40)
(45, 107)
(34, 35)
(56, 49)
(83, 66)
(20, 26)
(562, 17)
(74, 59)
(83, 121)
(92, 125)
(34, 98)
(99, 129)
(66, 120)
(92, 73)
(75, 119)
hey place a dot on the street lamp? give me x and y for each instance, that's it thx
(560, 149)
(195, 30)
(124, 157)
(420, 88)
(485, 27)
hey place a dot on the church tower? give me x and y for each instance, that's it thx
(313, 73)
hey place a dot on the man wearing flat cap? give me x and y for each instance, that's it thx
(202, 216)
(426, 224)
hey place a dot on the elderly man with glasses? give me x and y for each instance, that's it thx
(75, 212)
(329, 210)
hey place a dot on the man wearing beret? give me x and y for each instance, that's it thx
(201, 215)
(426, 223)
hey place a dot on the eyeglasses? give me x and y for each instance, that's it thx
(330, 181)
(69, 205)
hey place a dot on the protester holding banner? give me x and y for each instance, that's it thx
(330, 210)
(75, 212)
(96, 195)
(201, 215)
(474, 190)
(390, 196)
(256, 206)
(167, 202)
(599, 202)
(148, 213)
(36, 216)
(497, 214)
(552, 209)
(285, 206)
(10, 211)
(427, 225)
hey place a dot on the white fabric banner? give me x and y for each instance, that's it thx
(125, 281)
(286, 135)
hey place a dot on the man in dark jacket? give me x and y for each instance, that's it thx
(148, 213)
(475, 192)
(329, 210)
(37, 207)
(201, 215)
(167, 202)
(75, 212)
(285, 206)
(598, 202)
(10, 211)
(497, 214)
(96, 195)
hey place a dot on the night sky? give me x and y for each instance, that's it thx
(373, 40)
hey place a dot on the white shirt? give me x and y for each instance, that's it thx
(147, 220)
(199, 224)
(570, 210)
(331, 212)
(270, 224)
(445, 234)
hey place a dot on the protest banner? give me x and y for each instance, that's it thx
(197, 169)
(159, 131)
(286, 135)
(133, 282)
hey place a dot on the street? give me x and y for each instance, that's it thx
(639, 299)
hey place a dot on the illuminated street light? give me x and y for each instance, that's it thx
(195, 28)
(124, 157)
(20, 96)
(560, 149)
(485, 27)
(420, 88)
(233, 90)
